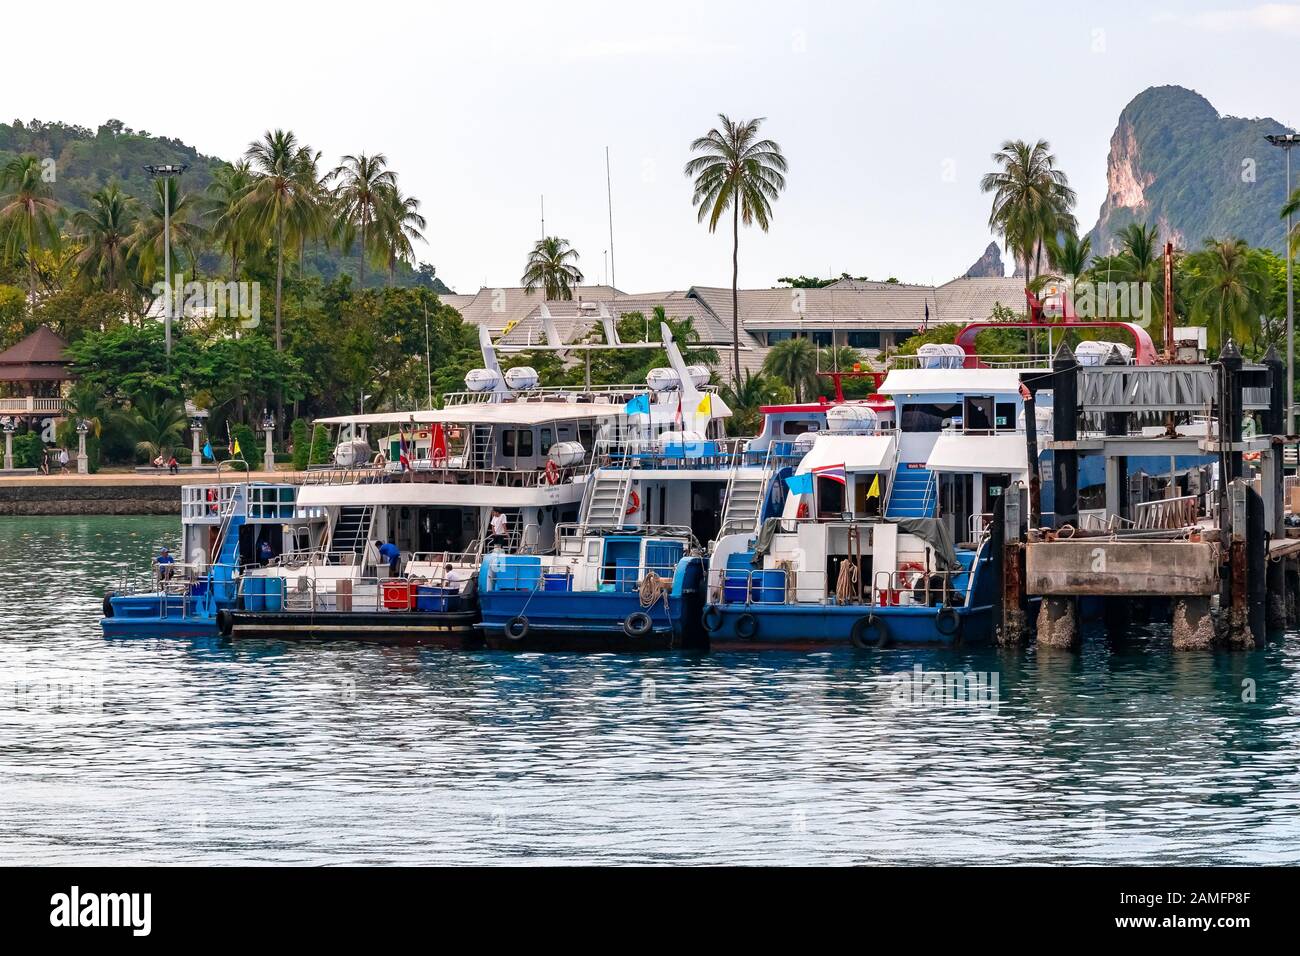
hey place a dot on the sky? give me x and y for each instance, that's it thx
(886, 112)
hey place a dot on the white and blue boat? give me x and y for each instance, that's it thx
(883, 537)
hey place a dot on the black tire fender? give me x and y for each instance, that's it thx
(868, 632)
(712, 618)
(746, 626)
(225, 622)
(108, 605)
(516, 628)
(948, 622)
(637, 624)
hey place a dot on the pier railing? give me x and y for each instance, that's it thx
(902, 587)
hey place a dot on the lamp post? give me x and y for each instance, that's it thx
(268, 427)
(166, 172)
(10, 426)
(83, 461)
(1286, 142)
(196, 454)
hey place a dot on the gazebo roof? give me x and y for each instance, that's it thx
(41, 356)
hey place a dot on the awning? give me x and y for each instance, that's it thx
(991, 454)
(499, 413)
(856, 453)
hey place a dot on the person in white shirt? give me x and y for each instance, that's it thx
(497, 524)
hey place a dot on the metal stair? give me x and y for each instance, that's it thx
(351, 532)
(744, 502)
(911, 494)
(605, 505)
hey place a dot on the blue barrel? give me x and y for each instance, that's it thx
(274, 590)
(769, 587)
(254, 591)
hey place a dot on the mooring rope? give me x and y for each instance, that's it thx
(846, 585)
(654, 587)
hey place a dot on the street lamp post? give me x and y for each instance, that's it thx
(83, 460)
(1287, 142)
(167, 172)
(10, 426)
(268, 427)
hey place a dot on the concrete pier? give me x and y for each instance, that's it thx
(1058, 622)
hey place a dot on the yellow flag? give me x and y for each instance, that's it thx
(706, 405)
(234, 449)
(874, 490)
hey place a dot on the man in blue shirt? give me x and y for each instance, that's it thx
(264, 553)
(392, 554)
(165, 565)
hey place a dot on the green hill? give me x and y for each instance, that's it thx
(86, 160)
(1174, 161)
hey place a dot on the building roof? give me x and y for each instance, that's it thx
(40, 357)
(500, 308)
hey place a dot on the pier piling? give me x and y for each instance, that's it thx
(1058, 622)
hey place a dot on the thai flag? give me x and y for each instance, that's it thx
(404, 455)
(833, 472)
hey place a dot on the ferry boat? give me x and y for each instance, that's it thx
(629, 572)
(883, 537)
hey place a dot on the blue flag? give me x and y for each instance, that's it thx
(800, 484)
(639, 405)
(207, 450)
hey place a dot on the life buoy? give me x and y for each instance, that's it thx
(948, 622)
(516, 628)
(712, 618)
(746, 626)
(633, 503)
(637, 624)
(869, 631)
(803, 510)
(552, 472)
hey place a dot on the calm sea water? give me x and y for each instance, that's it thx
(158, 751)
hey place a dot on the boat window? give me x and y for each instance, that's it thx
(1006, 416)
(547, 440)
(797, 427)
(830, 498)
(978, 414)
(928, 416)
(508, 442)
(525, 443)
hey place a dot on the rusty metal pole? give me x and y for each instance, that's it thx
(1065, 429)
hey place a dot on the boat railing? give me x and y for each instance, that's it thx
(449, 473)
(1010, 360)
(569, 531)
(367, 594)
(902, 587)
(660, 454)
(561, 394)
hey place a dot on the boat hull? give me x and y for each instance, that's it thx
(588, 621)
(814, 627)
(457, 630)
(153, 615)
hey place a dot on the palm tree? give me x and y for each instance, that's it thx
(105, 232)
(794, 362)
(552, 266)
(309, 219)
(277, 195)
(738, 171)
(400, 225)
(746, 402)
(156, 426)
(221, 204)
(1230, 282)
(1069, 255)
(1292, 208)
(28, 215)
(1032, 199)
(363, 182)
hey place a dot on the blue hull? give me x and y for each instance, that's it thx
(810, 627)
(582, 620)
(142, 615)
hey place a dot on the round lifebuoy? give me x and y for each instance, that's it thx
(948, 622)
(712, 619)
(225, 622)
(633, 503)
(637, 624)
(746, 626)
(552, 472)
(108, 605)
(868, 632)
(517, 628)
(803, 510)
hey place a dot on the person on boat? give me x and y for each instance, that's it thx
(166, 565)
(264, 553)
(497, 525)
(392, 554)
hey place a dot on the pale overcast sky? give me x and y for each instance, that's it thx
(482, 107)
